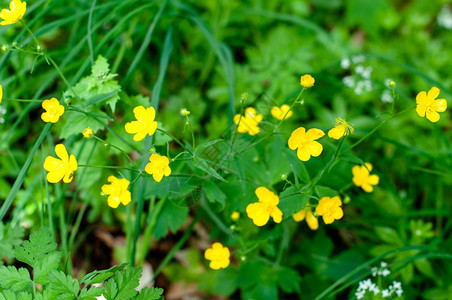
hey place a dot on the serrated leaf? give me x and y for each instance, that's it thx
(10, 236)
(92, 293)
(202, 165)
(100, 67)
(24, 296)
(7, 295)
(152, 293)
(76, 122)
(102, 275)
(122, 285)
(62, 285)
(214, 193)
(291, 202)
(39, 245)
(171, 217)
(100, 98)
(14, 279)
(48, 263)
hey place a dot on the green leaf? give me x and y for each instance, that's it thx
(289, 280)
(202, 165)
(100, 98)
(102, 275)
(171, 217)
(48, 263)
(10, 236)
(14, 279)
(123, 284)
(292, 204)
(151, 293)
(100, 67)
(33, 251)
(92, 293)
(76, 122)
(389, 236)
(214, 193)
(62, 285)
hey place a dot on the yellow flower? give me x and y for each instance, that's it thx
(145, 123)
(279, 113)
(329, 209)
(54, 110)
(312, 221)
(158, 167)
(1, 93)
(15, 12)
(62, 168)
(428, 106)
(218, 256)
(260, 212)
(235, 216)
(340, 129)
(361, 177)
(248, 122)
(184, 112)
(88, 133)
(305, 142)
(117, 191)
(307, 81)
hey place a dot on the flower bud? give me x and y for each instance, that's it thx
(346, 199)
(283, 176)
(392, 84)
(88, 133)
(184, 112)
(152, 150)
(5, 48)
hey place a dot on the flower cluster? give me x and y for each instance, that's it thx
(367, 286)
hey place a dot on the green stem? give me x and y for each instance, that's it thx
(376, 128)
(22, 100)
(117, 148)
(192, 132)
(291, 106)
(175, 139)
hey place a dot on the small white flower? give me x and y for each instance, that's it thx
(383, 264)
(367, 72)
(349, 81)
(386, 97)
(399, 292)
(345, 63)
(357, 59)
(385, 272)
(444, 18)
(359, 69)
(360, 295)
(397, 285)
(374, 271)
(385, 293)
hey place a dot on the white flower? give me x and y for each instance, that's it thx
(386, 97)
(349, 81)
(399, 292)
(445, 17)
(345, 63)
(360, 295)
(357, 59)
(367, 72)
(397, 285)
(385, 294)
(385, 272)
(359, 69)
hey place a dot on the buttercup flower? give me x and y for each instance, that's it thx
(428, 106)
(307, 81)
(235, 216)
(361, 177)
(158, 167)
(15, 12)
(340, 129)
(280, 112)
(88, 133)
(145, 124)
(305, 142)
(117, 191)
(306, 212)
(260, 212)
(62, 168)
(329, 209)
(248, 122)
(54, 110)
(218, 256)
(184, 112)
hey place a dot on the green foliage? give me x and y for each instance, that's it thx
(10, 236)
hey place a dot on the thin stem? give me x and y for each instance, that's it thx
(113, 146)
(175, 139)
(291, 106)
(192, 132)
(22, 100)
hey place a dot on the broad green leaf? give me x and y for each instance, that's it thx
(76, 122)
(214, 193)
(389, 236)
(171, 217)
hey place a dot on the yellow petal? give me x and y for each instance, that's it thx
(439, 105)
(337, 132)
(158, 176)
(140, 113)
(296, 137)
(150, 114)
(139, 136)
(314, 134)
(107, 189)
(433, 93)
(373, 179)
(420, 110)
(328, 219)
(299, 216)
(367, 188)
(133, 127)
(113, 202)
(54, 177)
(61, 152)
(432, 116)
(314, 148)
(52, 164)
(421, 98)
(303, 154)
(338, 213)
(277, 215)
(125, 197)
(312, 221)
